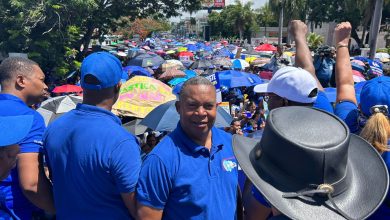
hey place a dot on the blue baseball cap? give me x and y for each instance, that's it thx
(375, 92)
(105, 67)
(14, 129)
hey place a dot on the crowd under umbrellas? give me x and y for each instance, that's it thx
(172, 62)
(151, 98)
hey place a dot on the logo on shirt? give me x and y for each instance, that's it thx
(228, 164)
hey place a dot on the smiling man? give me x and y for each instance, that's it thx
(191, 173)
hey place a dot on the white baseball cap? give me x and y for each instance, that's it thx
(292, 83)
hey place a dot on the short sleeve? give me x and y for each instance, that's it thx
(125, 164)
(322, 102)
(349, 113)
(33, 142)
(154, 184)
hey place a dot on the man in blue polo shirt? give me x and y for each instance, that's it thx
(26, 189)
(13, 130)
(94, 162)
(192, 172)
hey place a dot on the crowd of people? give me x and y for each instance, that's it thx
(290, 152)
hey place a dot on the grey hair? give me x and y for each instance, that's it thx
(198, 80)
(13, 66)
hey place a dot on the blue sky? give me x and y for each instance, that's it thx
(256, 4)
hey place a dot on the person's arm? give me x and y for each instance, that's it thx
(33, 181)
(153, 189)
(129, 200)
(344, 79)
(303, 58)
(125, 164)
(148, 213)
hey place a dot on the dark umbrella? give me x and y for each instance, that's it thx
(53, 108)
(165, 118)
(134, 127)
(201, 64)
(145, 60)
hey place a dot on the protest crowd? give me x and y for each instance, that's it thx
(186, 129)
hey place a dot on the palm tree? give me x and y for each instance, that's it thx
(240, 16)
(265, 17)
(314, 40)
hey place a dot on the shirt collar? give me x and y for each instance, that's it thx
(216, 140)
(97, 111)
(6, 96)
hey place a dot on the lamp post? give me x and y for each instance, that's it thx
(281, 5)
(375, 27)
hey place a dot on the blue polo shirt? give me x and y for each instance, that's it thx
(188, 181)
(93, 160)
(10, 193)
(322, 102)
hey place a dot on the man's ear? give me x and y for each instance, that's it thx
(118, 87)
(20, 81)
(177, 105)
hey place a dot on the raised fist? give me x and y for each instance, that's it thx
(342, 33)
(297, 28)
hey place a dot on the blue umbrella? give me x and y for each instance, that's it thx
(137, 70)
(176, 90)
(165, 118)
(224, 52)
(189, 74)
(233, 79)
(191, 47)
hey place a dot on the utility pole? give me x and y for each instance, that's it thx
(281, 4)
(375, 27)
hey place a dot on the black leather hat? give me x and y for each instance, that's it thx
(308, 166)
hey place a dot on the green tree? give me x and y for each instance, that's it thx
(49, 31)
(265, 17)
(314, 40)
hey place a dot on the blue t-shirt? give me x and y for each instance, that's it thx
(13, 197)
(93, 160)
(322, 102)
(349, 113)
(188, 181)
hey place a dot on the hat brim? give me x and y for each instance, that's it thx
(14, 129)
(368, 190)
(261, 88)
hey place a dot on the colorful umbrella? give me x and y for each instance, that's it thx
(172, 73)
(239, 64)
(265, 47)
(140, 95)
(67, 89)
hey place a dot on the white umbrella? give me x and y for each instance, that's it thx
(53, 108)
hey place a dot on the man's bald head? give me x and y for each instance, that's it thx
(198, 80)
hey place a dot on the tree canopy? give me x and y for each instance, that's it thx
(52, 32)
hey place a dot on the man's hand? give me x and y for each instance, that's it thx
(342, 33)
(297, 29)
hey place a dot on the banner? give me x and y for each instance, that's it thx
(215, 4)
(140, 95)
(215, 81)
